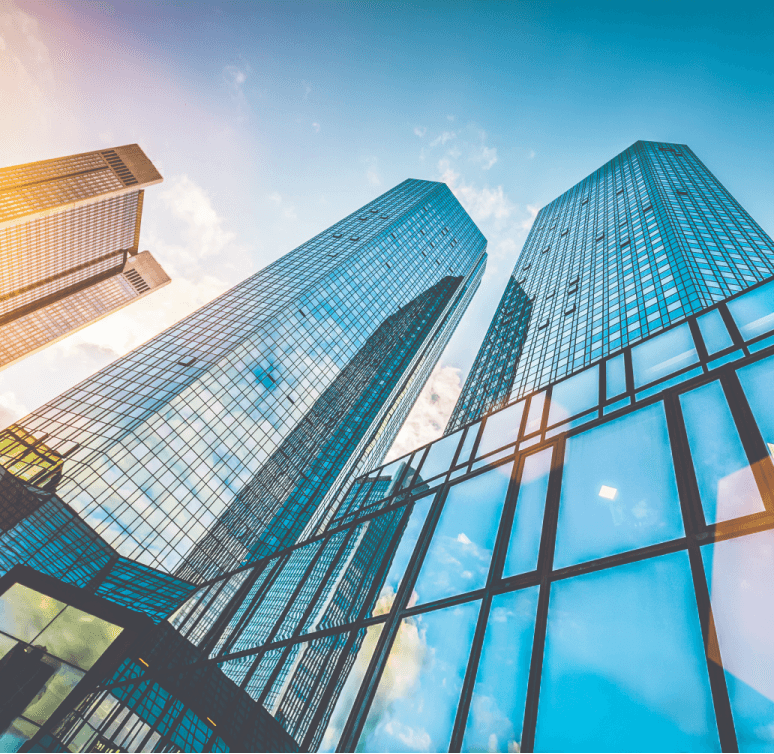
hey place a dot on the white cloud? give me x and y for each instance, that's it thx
(487, 157)
(316, 127)
(482, 204)
(451, 117)
(420, 131)
(11, 409)
(288, 210)
(443, 138)
(431, 412)
(531, 154)
(463, 538)
(372, 171)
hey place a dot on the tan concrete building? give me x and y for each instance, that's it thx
(69, 245)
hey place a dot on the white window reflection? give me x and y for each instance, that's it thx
(416, 701)
(663, 355)
(754, 312)
(501, 429)
(618, 489)
(575, 395)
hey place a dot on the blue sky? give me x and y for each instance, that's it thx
(270, 121)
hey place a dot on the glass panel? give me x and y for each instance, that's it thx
(714, 332)
(663, 355)
(501, 429)
(55, 691)
(78, 638)
(416, 701)
(19, 731)
(440, 456)
(528, 518)
(757, 380)
(615, 376)
(467, 445)
(497, 707)
(624, 666)
(742, 593)
(338, 718)
(535, 415)
(574, 396)
(24, 613)
(618, 489)
(403, 553)
(460, 552)
(726, 482)
(754, 312)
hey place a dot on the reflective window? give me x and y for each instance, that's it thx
(757, 380)
(726, 482)
(663, 355)
(24, 613)
(528, 518)
(754, 312)
(501, 428)
(618, 489)
(440, 456)
(416, 701)
(615, 376)
(575, 395)
(467, 445)
(742, 594)
(460, 552)
(496, 710)
(714, 332)
(338, 718)
(403, 553)
(624, 666)
(535, 415)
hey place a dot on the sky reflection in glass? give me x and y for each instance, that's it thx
(439, 456)
(524, 546)
(742, 594)
(574, 395)
(403, 553)
(663, 355)
(757, 380)
(624, 666)
(497, 707)
(501, 429)
(726, 482)
(615, 376)
(460, 552)
(416, 701)
(754, 312)
(714, 332)
(618, 489)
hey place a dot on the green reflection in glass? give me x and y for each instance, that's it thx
(663, 355)
(403, 553)
(78, 638)
(497, 707)
(6, 645)
(417, 697)
(618, 489)
(739, 576)
(24, 613)
(524, 545)
(754, 312)
(726, 482)
(18, 732)
(624, 666)
(338, 718)
(56, 690)
(460, 552)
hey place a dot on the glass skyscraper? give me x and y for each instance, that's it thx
(583, 561)
(69, 245)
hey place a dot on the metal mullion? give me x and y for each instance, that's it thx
(357, 716)
(698, 340)
(733, 330)
(717, 678)
(545, 564)
(203, 612)
(750, 435)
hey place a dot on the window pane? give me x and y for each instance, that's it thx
(663, 355)
(714, 332)
(535, 416)
(726, 482)
(467, 445)
(403, 553)
(497, 708)
(739, 575)
(528, 519)
(615, 376)
(460, 552)
(618, 489)
(416, 701)
(440, 456)
(624, 666)
(501, 428)
(24, 613)
(338, 719)
(574, 396)
(754, 312)
(757, 381)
